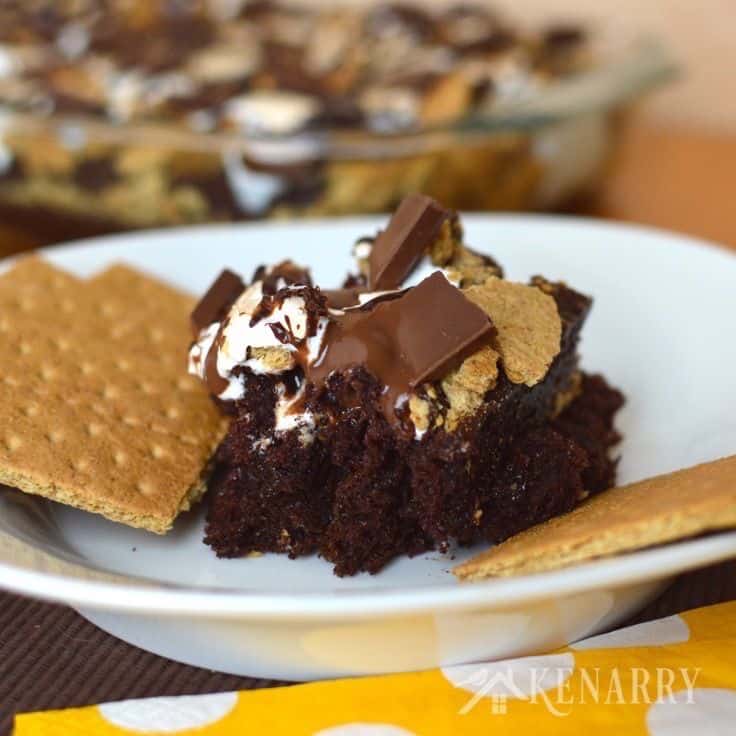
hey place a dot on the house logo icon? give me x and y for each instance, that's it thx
(497, 688)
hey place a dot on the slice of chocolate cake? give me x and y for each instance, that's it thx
(378, 419)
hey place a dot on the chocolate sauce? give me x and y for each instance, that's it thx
(95, 174)
(226, 288)
(345, 297)
(215, 382)
(418, 336)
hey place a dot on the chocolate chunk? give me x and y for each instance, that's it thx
(349, 296)
(284, 63)
(257, 10)
(413, 228)
(419, 336)
(563, 36)
(227, 287)
(12, 172)
(209, 96)
(342, 298)
(216, 189)
(95, 174)
(495, 41)
(340, 111)
(169, 38)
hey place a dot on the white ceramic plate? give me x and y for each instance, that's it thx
(661, 330)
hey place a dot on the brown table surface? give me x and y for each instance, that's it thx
(52, 658)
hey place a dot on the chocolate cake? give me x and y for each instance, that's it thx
(390, 417)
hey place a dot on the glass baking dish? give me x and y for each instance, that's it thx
(64, 176)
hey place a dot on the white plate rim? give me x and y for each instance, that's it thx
(628, 569)
(175, 600)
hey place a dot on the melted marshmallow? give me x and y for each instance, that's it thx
(271, 113)
(239, 337)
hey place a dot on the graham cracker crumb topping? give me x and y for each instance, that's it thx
(466, 386)
(527, 340)
(275, 360)
(528, 327)
(443, 250)
(468, 268)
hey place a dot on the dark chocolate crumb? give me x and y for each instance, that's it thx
(95, 174)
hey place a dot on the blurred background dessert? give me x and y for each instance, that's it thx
(136, 113)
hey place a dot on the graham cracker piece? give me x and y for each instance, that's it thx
(464, 266)
(96, 408)
(115, 289)
(466, 387)
(464, 390)
(33, 280)
(420, 411)
(447, 244)
(653, 511)
(277, 360)
(449, 99)
(528, 327)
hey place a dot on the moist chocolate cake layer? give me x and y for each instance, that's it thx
(364, 490)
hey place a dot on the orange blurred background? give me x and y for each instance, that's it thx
(678, 164)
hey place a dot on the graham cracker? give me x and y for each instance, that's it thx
(96, 408)
(466, 387)
(651, 512)
(528, 327)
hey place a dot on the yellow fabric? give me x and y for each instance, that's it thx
(697, 649)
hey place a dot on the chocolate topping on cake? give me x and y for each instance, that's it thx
(263, 333)
(227, 287)
(412, 230)
(282, 274)
(345, 297)
(404, 341)
(214, 381)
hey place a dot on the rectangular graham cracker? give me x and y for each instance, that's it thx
(651, 512)
(96, 408)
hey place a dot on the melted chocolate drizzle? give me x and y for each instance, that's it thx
(415, 336)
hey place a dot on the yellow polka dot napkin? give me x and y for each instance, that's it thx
(671, 677)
